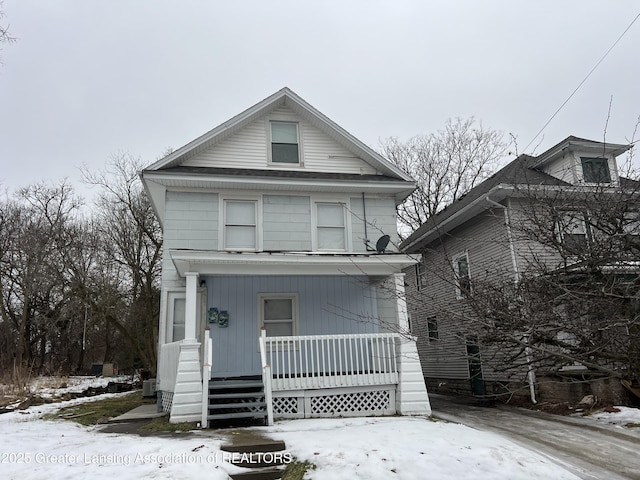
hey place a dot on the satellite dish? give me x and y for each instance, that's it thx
(382, 243)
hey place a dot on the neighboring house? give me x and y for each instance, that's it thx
(484, 237)
(282, 290)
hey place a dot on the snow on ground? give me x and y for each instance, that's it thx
(368, 448)
(621, 419)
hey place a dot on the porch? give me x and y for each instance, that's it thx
(302, 377)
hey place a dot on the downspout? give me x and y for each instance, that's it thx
(531, 374)
(364, 214)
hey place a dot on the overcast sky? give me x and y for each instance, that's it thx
(87, 79)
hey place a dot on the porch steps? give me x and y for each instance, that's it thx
(236, 399)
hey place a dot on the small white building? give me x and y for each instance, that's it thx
(282, 285)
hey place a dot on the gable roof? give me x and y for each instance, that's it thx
(524, 170)
(283, 97)
(480, 197)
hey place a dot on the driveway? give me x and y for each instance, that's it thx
(587, 450)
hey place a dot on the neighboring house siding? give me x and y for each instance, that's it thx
(286, 222)
(485, 241)
(380, 220)
(327, 305)
(528, 251)
(249, 149)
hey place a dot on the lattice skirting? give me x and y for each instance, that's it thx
(166, 400)
(340, 402)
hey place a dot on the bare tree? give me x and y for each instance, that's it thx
(446, 165)
(133, 246)
(5, 37)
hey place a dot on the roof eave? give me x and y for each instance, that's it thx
(483, 202)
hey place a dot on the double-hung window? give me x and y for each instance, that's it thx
(432, 329)
(278, 313)
(331, 226)
(240, 224)
(573, 232)
(595, 170)
(462, 275)
(285, 143)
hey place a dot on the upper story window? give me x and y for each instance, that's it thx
(285, 143)
(462, 275)
(330, 224)
(595, 170)
(573, 231)
(240, 224)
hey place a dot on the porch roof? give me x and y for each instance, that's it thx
(207, 262)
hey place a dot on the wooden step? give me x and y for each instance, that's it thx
(222, 406)
(223, 396)
(227, 416)
(233, 384)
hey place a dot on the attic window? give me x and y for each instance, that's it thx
(595, 170)
(284, 143)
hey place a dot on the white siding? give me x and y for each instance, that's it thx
(569, 167)
(380, 220)
(249, 149)
(287, 222)
(191, 221)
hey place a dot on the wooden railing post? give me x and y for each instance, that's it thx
(207, 356)
(266, 375)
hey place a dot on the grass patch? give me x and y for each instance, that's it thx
(296, 470)
(91, 413)
(162, 424)
(632, 425)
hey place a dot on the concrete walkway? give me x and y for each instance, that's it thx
(143, 412)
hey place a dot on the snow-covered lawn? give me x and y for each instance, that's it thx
(368, 448)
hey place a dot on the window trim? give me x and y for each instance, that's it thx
(295, 308)
(284, 120)
(222, 230)
(314, 223)
(460, 293)
(562, 228)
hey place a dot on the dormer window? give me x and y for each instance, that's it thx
(284, 143)
(595, 170)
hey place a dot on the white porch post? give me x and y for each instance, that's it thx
(191, 304)
(187, 397)
(401, 303)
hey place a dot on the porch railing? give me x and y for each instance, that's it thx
(168, 366)
(329, 361)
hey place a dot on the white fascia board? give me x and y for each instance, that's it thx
(301, 263)
(598, 148)
(481, 203)
(400, 189)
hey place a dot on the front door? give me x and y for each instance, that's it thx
(475, 367)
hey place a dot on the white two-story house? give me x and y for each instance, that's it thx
(282, 286)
